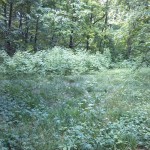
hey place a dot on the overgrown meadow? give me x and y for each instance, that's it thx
(63, 100)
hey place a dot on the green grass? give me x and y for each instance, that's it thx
(101, 111)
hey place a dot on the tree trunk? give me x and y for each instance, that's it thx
(26, 30)
(71, 44)
(88, 37)
(87, 42)
(9, 48)
(5, 15)
(10, 15)
(20, 20)
(36, 33)
(106, 17)
(129, 47)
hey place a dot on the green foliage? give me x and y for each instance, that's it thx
(107, 110)
(125, 64)
(56, 92)
(56, 61)
(118, 25)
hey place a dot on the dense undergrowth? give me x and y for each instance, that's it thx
(104, 111)
(59, 99)
(60, 61)
(56, 61)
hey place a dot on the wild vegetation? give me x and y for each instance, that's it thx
(74, 75)
(107, 110)
(122, 26)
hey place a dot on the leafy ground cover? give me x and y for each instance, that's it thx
(100, 111)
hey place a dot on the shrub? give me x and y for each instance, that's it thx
(124, 64)
(56, 61)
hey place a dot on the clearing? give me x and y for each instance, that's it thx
(101, 111)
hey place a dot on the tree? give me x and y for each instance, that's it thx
(122, 26)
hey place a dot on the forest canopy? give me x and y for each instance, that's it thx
(122, 26)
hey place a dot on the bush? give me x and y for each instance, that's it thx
(56, 61)
(124, 64)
